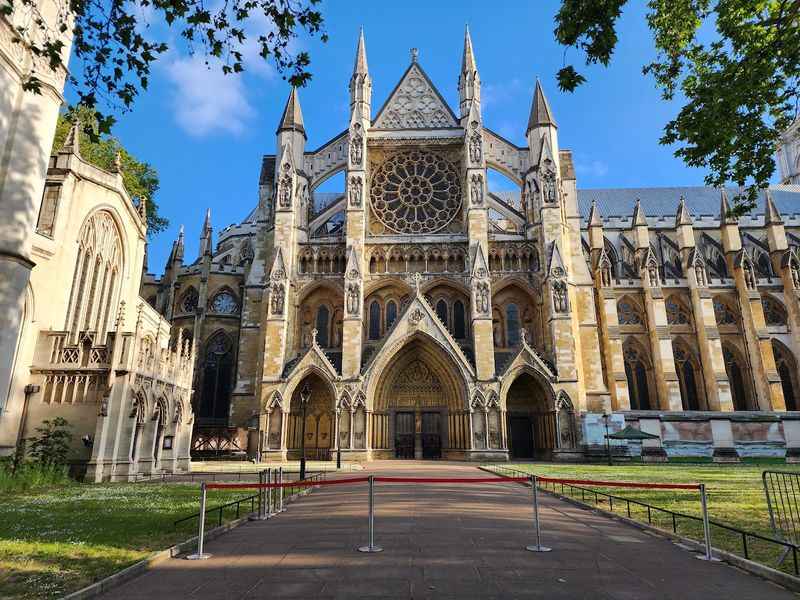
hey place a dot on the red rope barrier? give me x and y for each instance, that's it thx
(624, 484)
(448, 480)
(288, 484)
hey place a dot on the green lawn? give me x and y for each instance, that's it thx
(57, 540)
(735, 497)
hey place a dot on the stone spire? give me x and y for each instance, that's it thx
(176, 255)
(771, 214)
(468, 57)
(594, 216)
(540, 116)
(205, 237)
(725, 216)
(292, 119)
(469, 82)
(638, 215)
(682, 217)
(360, 66)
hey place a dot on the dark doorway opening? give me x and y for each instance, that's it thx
(431, 435)
(521, 429)
(404, 435)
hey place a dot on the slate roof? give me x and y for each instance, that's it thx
(700, 200)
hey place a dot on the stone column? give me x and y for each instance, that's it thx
(722, 436)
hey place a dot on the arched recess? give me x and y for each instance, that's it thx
(531, 416)
(188, 301)
(379, 316)
(224, 301)
(515, 310)
(775, 314)
(639, 373)
(450, 301)
(739, 376)
(319, 421)
(787, 369)
(216, 379)
(419, 401)
(690, 375)
(313, 299)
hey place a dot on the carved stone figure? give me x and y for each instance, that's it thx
(285, 190)
(749, 276)
(700, 274)
(476, 190)
(482, 297)
(356, 145)
(549, 186)
(475, 143)
(795, 275)
(560, 296)
(605, 275)
(353, 292)
(355, 191)
(276, 298)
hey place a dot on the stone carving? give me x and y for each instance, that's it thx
(475, 143)
(285, 187)
(276, 298)
(476, 189)
(749, 275)
(414, 105)
(795, 270)
(355, 191)
(560, 301)
(356, 145)
(416, 192)
(353, 298)
(482, 294)
(416, 316)
(700, 274)
(549, 186)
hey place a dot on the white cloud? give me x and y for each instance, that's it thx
(595, 168)
(206, 100)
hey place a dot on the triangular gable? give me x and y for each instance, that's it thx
(415, 103)
(555, 261)
(278, 271)
(528, 357)
(419, 317)
(314, 357)
(480, 268)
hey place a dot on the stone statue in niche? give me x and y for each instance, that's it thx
(355, 191)
(549, 186)
(475, 143)
(652, 274)
(482, 297)
(285, 188)
(749, 276)
(352, 298)
(700, 274)
(356, 145)
(276, 297)
(795, 275)
(605, 275)
(476, 191)
(560, 296)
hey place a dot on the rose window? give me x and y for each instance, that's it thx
(415, 192)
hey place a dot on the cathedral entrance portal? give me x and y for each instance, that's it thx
(420, 396)
(531, 419)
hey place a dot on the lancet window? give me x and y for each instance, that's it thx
(637, 372)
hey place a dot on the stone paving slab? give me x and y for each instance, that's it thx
(441, 541)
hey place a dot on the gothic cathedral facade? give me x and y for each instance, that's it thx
(419, 313)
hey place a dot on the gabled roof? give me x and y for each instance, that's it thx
(393, 115)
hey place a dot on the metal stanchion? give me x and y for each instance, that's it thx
(200, 555)
(538, 546)
(371, 547)
(280, 490)
(706, 526)
(262, 498)
(268, 495)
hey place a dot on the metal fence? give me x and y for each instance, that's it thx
(739, 541)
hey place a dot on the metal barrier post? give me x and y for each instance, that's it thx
(268, 495)
(706, 525)
(260, 515)
(280, 490)
(200, 555)
(538, 546)
(371, 547)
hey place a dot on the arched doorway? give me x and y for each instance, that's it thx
(531, 419)
(319, 420)
(419, 408)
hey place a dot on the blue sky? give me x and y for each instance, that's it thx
(205, 132)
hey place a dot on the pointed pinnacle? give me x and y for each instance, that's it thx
(360, 66)
(292, 118)
(540, 110)
(468, 57)
(72, 143)
(725, 216)
(118, 162)
(594, 216)
(207, 223)
(682, 217)
(638, 215)
(771, 214)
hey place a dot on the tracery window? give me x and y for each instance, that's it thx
(628, 313)
(415, 192)
(774, 313)
(441, 311)
(217, 378)
(723, 313)
(512, 325)
(736, 377)
(459, 327)
(676, 312)
(323, 324)
(225, 303)
(374, 320)
(391, 313)
(190, 300)
(636, 374)
(687, 378)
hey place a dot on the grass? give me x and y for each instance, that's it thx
(735, 497)
(57, 539)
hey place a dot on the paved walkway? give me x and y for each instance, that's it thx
(441, 541)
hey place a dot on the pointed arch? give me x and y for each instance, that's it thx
(775, 314)
(217, 375)
(224, 301)
(739, 376)
(630, 312)
(786, 364)
(639, 373)
(690, 375)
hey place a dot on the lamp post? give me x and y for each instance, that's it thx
(608, 441)
(305, 396)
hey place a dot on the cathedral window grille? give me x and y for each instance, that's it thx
(628, 313)
(416, 192)
(636, 374)
(190, 300)
(391, 314)
(724, 314)
(512, 325)
(323, 323)
(787, 369)
(217, 378)
(774, 313)
(49, 210)
(374, 320)
(676, 312)
(441, 311)
(459, 325)
(684, 367)
(224, 303)
(736, 377)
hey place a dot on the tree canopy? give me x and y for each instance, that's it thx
(140, 178)
(735, 62)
